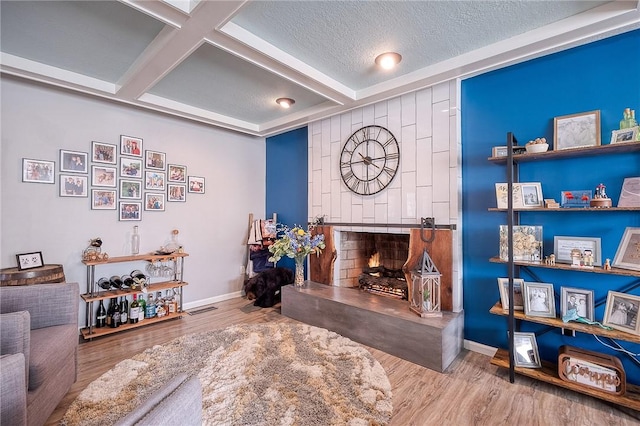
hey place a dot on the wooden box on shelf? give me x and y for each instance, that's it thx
(592, 370)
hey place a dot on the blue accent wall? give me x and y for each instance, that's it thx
(524, 99)
(287, 180)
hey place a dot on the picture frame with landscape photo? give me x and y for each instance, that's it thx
(628, 252)
(562, 246)
(579, 130)
(73, 185)
(579, 299)
(621, 312)
(73, 161)
(130, 168)
(29, 260)
(539, 300)
(130, 189)
(625, 135)
(103, 199)
(103, 152)
(155, 160)
(503, 287)
(525, 350)
(38, 171)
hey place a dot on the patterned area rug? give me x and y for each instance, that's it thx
(267, 374)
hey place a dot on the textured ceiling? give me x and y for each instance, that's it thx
(225, 63)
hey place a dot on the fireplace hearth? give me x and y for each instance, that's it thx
(377, 279)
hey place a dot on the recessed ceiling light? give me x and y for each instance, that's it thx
(285, 102)
(388, 60)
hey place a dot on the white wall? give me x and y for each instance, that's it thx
(426, 124)
(38, 121)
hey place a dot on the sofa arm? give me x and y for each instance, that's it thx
(48, 304)
(15, 336)
(13, 390)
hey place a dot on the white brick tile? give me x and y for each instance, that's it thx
(326, 174)
(409, 195)
(345, 207)
(408, 109)
(441, 213)
(316, 153)
(424, 162)
(441, 126)
(316, 193)
(394, 118)
(408, 149)
(356, 213)
(368, 115)
(335, 128)
(380, 109)
(423, 114)
(356, 117)
(381, 213)
(424, 201)
(441, 177)
(368, 208)
(336, 202)
(394, 209)
(441, 92)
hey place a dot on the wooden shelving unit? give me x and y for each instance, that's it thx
(617, 148)
(94, 295)
(567, 267)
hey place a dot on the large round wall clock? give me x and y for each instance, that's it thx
(369, 160)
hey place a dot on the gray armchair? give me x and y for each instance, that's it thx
(40, 323)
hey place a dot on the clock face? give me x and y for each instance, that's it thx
(369, 160)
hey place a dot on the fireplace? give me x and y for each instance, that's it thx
(382, 273)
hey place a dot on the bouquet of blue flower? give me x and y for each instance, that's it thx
(295, 243)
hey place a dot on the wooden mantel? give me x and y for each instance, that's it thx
(440, 250)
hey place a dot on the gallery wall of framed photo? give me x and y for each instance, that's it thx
(117, 176)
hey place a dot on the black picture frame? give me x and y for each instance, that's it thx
(29, 260)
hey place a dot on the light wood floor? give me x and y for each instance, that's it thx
(471, 392)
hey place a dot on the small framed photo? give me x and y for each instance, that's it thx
(531, 195)
(625, 135)
(103, 176)
(499, 151)
(177, 173)
(580, 198)
(29, 260)
(539, 300)
(525, 350)
(630, 194)
(154, 180)
(103, 152)
(621, 312)
(576, 130)
(103, 199)
(130, 210)
(196, 184)
(155, 160)
(73, 161)
(176, 192)
(527, 243)
(38, 171)
(130, 146)
(628, 253)
(131, 167)
(503, 286)
(154, 201)
(73, 186)
(130, 189)
(589, 247)
(579, 300)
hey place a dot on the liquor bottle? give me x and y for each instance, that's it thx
(134, 310)
(150, 310)
(632, 119)
(115, 317)
(143, 308)
(135, 241)
(173, 306)
(124, 310)
(101, 315)
(109, 319)
(160, 310)
(116, 282)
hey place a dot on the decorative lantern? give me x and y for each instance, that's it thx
(425, 289)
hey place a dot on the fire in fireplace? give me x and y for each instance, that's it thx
(378, 279)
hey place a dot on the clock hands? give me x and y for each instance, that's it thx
(368, 161)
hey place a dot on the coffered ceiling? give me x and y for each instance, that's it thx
(225, 62)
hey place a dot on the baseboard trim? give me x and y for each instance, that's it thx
(479, 348)
(211, 300)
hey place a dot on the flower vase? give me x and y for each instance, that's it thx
(299, 279)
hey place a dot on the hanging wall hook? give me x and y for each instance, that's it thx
(430, 222)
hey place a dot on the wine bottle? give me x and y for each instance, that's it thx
(143, 308)
(134, 310)
(135, 241)
(127, 281)
(109, 321)
(116, 282)
(115, 318)
(124, 310)
(150, 310)
(101, 315)
(104, 283)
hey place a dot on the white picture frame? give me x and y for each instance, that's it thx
(563, 245)
(539, 299)
(625, 135)
(621, 312)
(628, 252)
(630, 193)
(526, 195)
(503, 287)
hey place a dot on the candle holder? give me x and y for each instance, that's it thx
(425, 288)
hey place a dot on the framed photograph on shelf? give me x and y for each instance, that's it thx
(154, 180)
(103, 152)
(531, 195)
(103, 199)
(539, 300)
(176, 192)
(196, 185)
(621, 312)
(503, 286)
(130, 189)
(130, 210)
(177, 173)
(625, 135)
(130, 146)
(578, 299)
(502, 193)
(154, 201)
(628, 253)
(576, 199)
(588, 246)
(155, 160)
(131, 168)
(630, 194)
(525, 348)
(527, 243)
(38, 171)
(73, 161)
(73, 186)
(29, 260)
(576, 130)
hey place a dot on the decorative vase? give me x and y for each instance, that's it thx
(299, 280)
